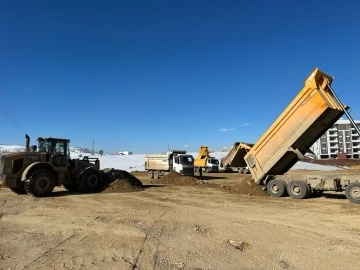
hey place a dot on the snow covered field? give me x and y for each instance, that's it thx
(136, 162)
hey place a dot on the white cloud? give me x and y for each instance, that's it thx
(226, 129)
(245, 124)
(186, 146)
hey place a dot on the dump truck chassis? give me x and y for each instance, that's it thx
(300, 186)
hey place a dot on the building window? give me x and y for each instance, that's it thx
(342, 127)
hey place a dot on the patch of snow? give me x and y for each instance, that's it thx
(300, 165)
(136, 162)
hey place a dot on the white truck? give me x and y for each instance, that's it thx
(158, 165)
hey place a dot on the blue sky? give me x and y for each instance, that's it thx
(137, 75)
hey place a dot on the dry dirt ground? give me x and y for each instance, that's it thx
(177, 227)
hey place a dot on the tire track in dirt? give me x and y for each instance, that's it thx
(63, 252)
(149, 255)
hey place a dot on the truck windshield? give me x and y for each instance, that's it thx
(214, 161)
(187, 160)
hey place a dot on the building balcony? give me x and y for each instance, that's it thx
(334, 146)
(333, 134)
(356, 146)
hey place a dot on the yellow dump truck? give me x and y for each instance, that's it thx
(234, 161)
(205, 161)
(312, 112)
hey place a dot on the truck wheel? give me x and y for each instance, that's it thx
(19, 190)
(276, 188)
(246, 171)
(89, 181)
(151, 174)
(71, 187)
(41, 183)
(352, 192)
(298, 189)
(240, 170)
(156, 175)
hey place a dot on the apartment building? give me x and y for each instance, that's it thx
(341, 140)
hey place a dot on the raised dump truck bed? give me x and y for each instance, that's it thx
(234, 161)
(312, 112)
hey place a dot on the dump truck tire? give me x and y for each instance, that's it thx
(240, 170)
(90, 181)
(71, 187)
(298, 189)
(151, 174)
(41, 183)
(19, 190)
(352, 192)
(276, 188)
(156, 175)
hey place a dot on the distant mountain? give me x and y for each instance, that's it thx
(81, 150)
(17, 148)
(224, 149)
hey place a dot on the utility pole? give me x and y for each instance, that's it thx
(93, 147)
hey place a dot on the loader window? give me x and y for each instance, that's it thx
(59, 148)
(44, 146)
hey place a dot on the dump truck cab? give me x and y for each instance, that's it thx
(40, 168)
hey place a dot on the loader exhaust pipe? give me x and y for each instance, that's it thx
(27, 145)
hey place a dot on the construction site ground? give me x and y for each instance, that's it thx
(182, 226)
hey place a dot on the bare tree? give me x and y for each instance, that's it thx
(101, 152)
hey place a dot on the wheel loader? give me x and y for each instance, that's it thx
(40, 168)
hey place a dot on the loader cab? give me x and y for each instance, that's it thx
(58, 150)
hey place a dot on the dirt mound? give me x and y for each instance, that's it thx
(356, 167)
(333, 162)
(246, 187)
(120, 181)
(174, 178)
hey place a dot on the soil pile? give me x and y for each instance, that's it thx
(120, 181)
(246, 187)
(333, 162)
(174, 178)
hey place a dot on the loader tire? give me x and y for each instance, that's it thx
(71, 187)
(352, 192)
(298, 189)
(276, 188)
(90, 181)
(19, 190)
(41, 183)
